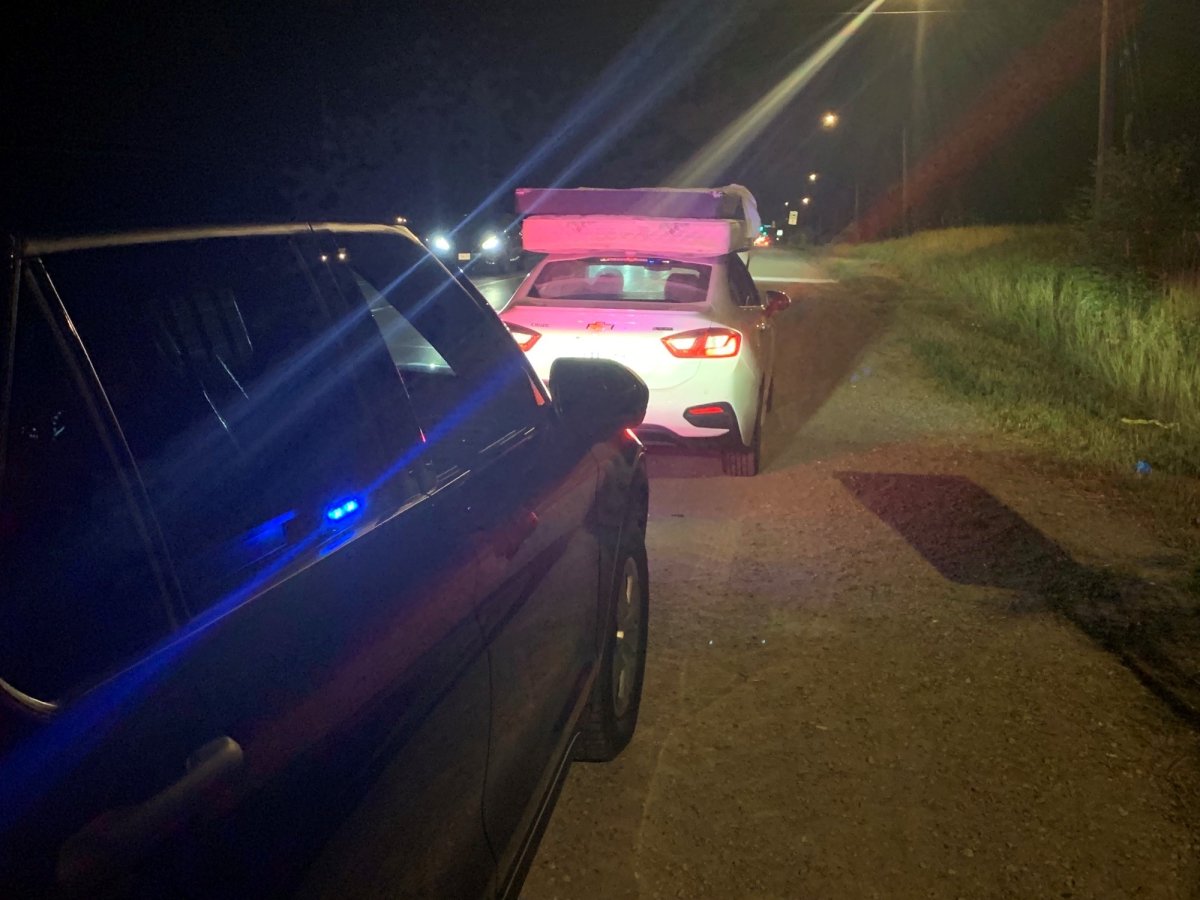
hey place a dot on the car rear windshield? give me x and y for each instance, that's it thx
(623, 279)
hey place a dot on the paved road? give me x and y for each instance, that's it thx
(497, 290)
(872, 669)
(775, 266)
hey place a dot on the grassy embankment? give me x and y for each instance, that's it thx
(1106, 367)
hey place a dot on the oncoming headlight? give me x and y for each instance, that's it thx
(440, 242)
(491, 242)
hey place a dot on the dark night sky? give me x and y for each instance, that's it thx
(179, 112)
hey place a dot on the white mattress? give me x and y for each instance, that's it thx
(637, 234)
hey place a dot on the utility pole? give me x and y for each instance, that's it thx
(904, 176)
(857, 227)
(1107, 103)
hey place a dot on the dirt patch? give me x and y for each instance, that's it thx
(887, 667)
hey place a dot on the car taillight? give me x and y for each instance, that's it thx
(525, 337)
(707, 343)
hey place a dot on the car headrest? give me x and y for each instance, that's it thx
(683, 287)
(608, 281)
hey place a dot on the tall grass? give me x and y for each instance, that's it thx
(1133, 341)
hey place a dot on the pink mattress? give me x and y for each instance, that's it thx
(634, 234)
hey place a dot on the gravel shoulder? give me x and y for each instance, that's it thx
(881, 668)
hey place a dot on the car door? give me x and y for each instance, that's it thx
(757, 324)
(318, 719)
(539, 617)
(532, 491)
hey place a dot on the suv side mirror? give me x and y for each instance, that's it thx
(597, 397)
(777, 302)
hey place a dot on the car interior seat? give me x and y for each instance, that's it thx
(608, 283)
(683, 287)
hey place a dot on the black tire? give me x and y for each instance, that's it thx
(743, 462)
(608, 722)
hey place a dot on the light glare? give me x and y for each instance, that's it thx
(341, 510)
(726, 146)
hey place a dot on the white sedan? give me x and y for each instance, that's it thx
(696, 330)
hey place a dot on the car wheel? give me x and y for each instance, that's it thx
(611, 715)
(744, 461)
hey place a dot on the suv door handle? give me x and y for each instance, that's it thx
(516, 532)
(116, 839)
(506, 538)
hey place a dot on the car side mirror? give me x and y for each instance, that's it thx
(597, 397)
(777, 302)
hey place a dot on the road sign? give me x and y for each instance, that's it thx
(793, 217)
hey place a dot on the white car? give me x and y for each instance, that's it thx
(696, 329)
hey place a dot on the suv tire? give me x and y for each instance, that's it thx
(609, 720)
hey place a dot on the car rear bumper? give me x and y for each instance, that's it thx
(658, 436)
(733, 382)
(666, 422)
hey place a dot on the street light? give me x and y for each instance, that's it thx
(829, 120)
(812, 176)
(806, 201)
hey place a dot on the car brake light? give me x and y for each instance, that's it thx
(525, 337)
(707, 343)
(710, 415)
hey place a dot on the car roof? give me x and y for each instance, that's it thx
(47, 245)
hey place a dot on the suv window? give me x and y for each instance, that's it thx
(466, 380)
(257, 398)
(78, 591)
(741, 285)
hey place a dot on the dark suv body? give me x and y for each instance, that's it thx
(306, 586)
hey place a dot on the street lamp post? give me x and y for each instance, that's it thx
(904, 178)
(1107, 96)
(856, 209)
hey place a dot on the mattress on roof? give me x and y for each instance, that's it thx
(695, 221)
(633, 234)
(669, 203)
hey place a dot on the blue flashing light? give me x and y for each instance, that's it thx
(341, 510)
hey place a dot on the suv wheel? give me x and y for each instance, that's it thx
(611, 715)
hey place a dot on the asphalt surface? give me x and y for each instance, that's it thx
(497, 290)
(864, 677)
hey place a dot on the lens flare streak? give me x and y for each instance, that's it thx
(708, 163)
